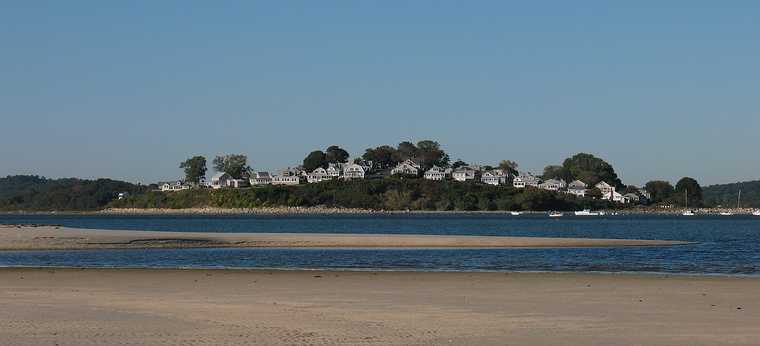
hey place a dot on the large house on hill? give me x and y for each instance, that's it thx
(220, 180)
(261, 178)
(464, 174)
(524, 180)
(577, 188)
(408, 167)
(286, 180)
(353, 171)
(437, 173)
(179, 185)
(318, 175)
(553, 185)
(605, 188)
(495, 177)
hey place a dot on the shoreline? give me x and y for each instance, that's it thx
(36, 237)
(318, 211)
(223, 307)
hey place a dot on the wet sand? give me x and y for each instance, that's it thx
(240, 307)
(60, 238)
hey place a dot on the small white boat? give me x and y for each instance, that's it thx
(516, 213)
(586, 212)
(756, 213)
(726, 213)
(688, 211)
(556, 214)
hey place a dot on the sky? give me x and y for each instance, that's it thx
(127, 90)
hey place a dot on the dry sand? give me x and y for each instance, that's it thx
(48, 237)
(237, 307)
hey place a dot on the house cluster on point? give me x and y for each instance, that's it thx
(362, 169)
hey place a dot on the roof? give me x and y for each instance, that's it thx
(219, 175)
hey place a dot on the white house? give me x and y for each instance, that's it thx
(525, 179)
(577, 188)
(286, 180)
(318, 175)
(615, 196)
(220, 180)
(495, 177)
(437, 173)
(463, 174)
(333, 170)
(179, 185)
(605, 188)
(261, 178)
(632, 197)
(553, 185)
(407, 167)
(353, 171)
(238, 183)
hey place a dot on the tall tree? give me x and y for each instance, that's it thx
(557, 172)
(509, 166)
(429, 154)
(314, 160)
(336, 154)
(591, 170)
(660, 190)
(232, 164)
(382, 156)
(405, 151)
(689, 187)
(195, 168)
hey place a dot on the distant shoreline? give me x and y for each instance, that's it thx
(285, 211)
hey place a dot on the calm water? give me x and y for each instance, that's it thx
(725, 245)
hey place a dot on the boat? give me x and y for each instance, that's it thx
(738, 205)
(756, 213)
(586, 212)
(688, 211)
(516, 213)
(555, 214)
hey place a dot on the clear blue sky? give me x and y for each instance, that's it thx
(661, 89)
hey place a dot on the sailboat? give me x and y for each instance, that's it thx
(738, 204)
(688, 212)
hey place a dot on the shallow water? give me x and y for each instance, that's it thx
(724, 245)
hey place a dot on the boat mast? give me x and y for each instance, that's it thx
(739, 200)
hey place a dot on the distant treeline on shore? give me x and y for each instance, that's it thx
(33, 193)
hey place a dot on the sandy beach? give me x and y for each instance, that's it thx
(61, 238)
(240, 307)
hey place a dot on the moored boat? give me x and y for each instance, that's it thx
(556, 214)
(586, 212)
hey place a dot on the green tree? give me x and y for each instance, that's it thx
(429, 154)
(458, 163)
(688, 187)
(509, 166)
(557, 172)
(405, 151)
(382, 156)
(233, 164)
(195, 168)
(660, 190)
(591, 170)
(314, 160)
(336, 154)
